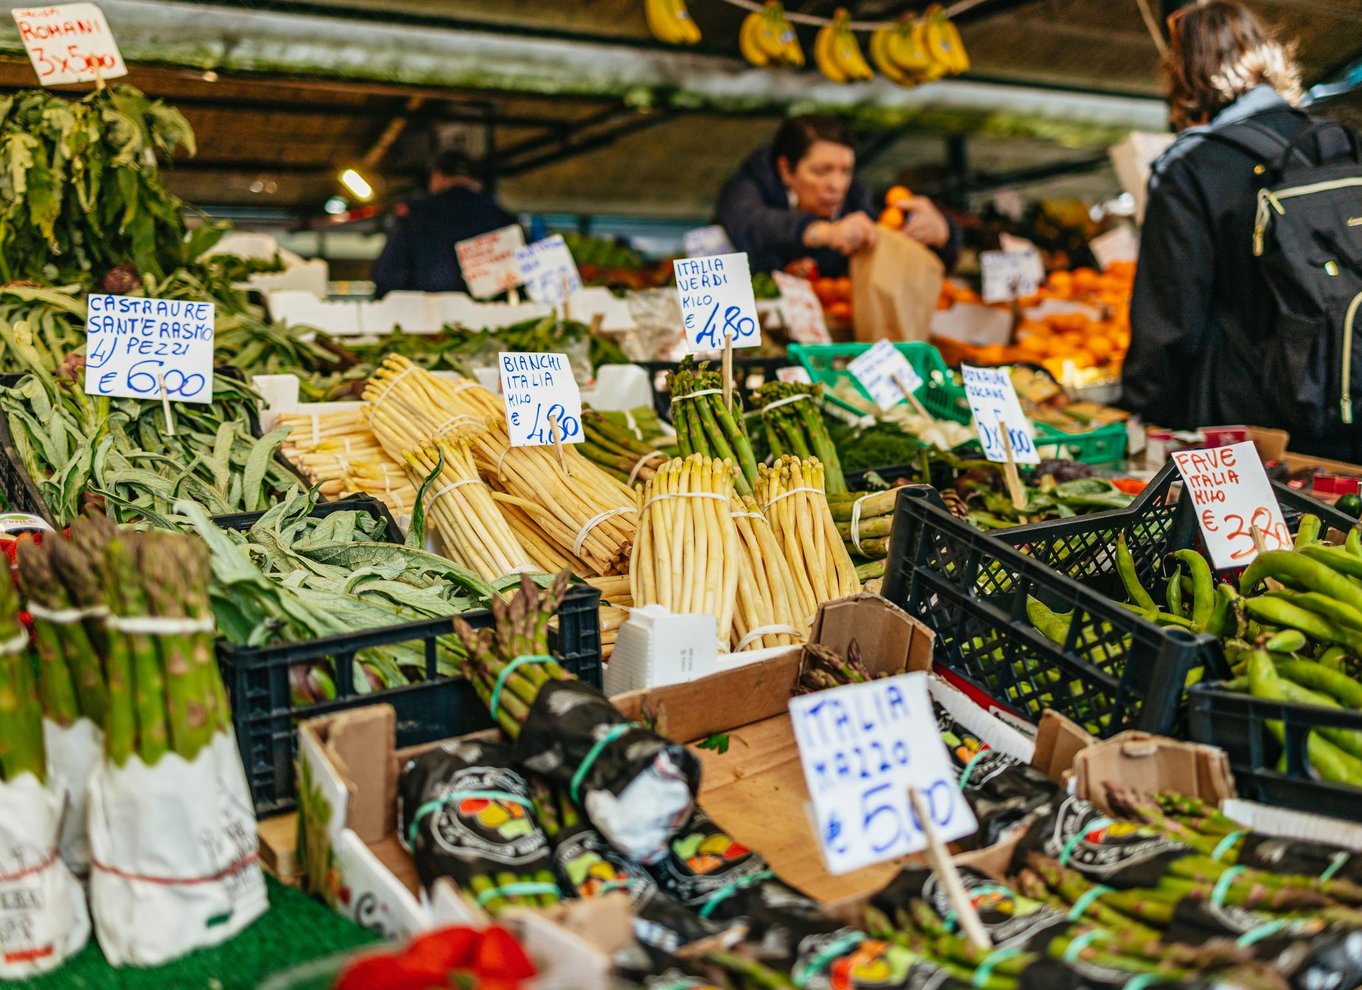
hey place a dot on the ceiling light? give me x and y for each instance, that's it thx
(335, 206)
(357, 184)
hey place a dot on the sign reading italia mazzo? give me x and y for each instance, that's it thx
(70, 43)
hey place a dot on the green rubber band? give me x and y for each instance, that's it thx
(985, 970)
(495, 703)
(1077, 837)
(593, 754)
(1140, 982)
(969, 767)
(1080, 943)
(1222, 886)
(831, 951)
(1265, 930)
(1225, 844)
(727, 891)
(435, 804)
(1339, 858)
(516, 889)
(1083, 903)
(951, 918)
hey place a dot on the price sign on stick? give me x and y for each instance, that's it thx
(149, 348)
(993, 400)
(803, 312)
(706, 240)
(1233, 497)
(548, 271)
(885, 374)
(1008, 275)
(717, 304)
(543, 404)
(70, 43)
(863, 747)
(488, 262)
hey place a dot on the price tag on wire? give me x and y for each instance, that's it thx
(717, 302)
(139, 348)
(548, 271)
(1233, 497)
(803, 312)
(863, 746)
(885, 374)
(543, 403)
(993, 400)
(69, 43)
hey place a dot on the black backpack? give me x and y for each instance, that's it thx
(1308, 244)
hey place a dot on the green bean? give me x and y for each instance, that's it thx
(1125, 567)
(1222, 622)
(1330, 762)
(1336, 558)
(1301, 566)
(1353, 544)
(1286, 641)
(1348, 740)
(1203, 588)
(1173, 591)
(1332, 609)
(1278, 612)
(1320, 678)
(1308, 532)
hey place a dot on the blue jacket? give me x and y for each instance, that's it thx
(754, 207)
(419, 255)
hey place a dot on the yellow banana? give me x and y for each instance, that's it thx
(935, 67)
(847, 52)
(943, 42)
(879, 54)
(747, 40)
(663, 26)
(904, 47)
(771, 32)
(690, 31)
(823, 55)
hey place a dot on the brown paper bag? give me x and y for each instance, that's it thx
(894, 288)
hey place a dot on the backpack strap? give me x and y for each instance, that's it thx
(1274, 152)
(1257, 140)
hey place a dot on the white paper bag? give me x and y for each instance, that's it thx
(72, 753)
(43, 920)
(174, 860)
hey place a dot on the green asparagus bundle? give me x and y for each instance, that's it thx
(823, 668)
(791, 414)
(618, 451)
(21, 714)
(705, 426)
(865, 522)
(164, 689)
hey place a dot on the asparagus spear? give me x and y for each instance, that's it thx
(21, 719)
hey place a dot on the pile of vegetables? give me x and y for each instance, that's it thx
(338, 452)
(794, 426)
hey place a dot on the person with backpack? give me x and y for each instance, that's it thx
(1250, 273)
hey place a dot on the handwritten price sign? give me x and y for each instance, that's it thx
(717, 302)
(70, 43)
(539, 390)
(548, 271)
(803, 311)
(993, 400)
(1232, 495)
(134, 347)
(488, 261)
(884, 373)
(863, 746)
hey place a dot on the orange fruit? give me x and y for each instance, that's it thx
(897, 194)
(891, 217)
(844, 287)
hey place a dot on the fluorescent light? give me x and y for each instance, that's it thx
(357, 184)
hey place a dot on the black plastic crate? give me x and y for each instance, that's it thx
(1115, 671)
(367, 504)
(266, 720)
(745, 369)
(1238, 724)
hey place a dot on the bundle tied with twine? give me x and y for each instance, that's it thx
(338, 450)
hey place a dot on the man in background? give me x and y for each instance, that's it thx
(419, 255)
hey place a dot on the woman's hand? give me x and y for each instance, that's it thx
(854, 232)
(925, 222)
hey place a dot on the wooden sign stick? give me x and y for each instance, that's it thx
(566, 313)
(1010, 475)
(165, 403)
(940, 858)
(1257, 534)
(728, 371)
(558, 442)
(913, 400)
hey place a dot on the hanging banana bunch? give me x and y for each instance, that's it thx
(670, 22)
(943, 41)
(768, 38)
(837, 54)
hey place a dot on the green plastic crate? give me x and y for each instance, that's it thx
(945, 399)
(940, 395)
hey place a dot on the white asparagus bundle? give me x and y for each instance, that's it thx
(791, 495)
(338, 450)
(615, 589)
(460, 507)
(686, 555)
(769, 607)
(408, 404)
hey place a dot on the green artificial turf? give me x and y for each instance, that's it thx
(294, 930)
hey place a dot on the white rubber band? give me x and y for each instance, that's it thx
(467, 383)
(455, 484)
(856, 522)
(501, 461)
(66, 616)
(638, 465)
(592, 523)
(455, 422)
(760, 631)
(793, 491)
(17, 644)
(632, 423)
(748, 515)
(158, 625)
(389, 387)
(696, 395)
(786, 401)
(666, 495)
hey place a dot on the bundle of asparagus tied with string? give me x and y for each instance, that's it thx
(767, 609)
(616, 450)
(172, 829)
(791, 413)
(459, 503)
(635, 787)
(704, 425)
(45, 920)
(865, 522)
(791, 495)
(338, 450)
(687, 556)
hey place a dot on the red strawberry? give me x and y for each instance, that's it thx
(499, 955)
